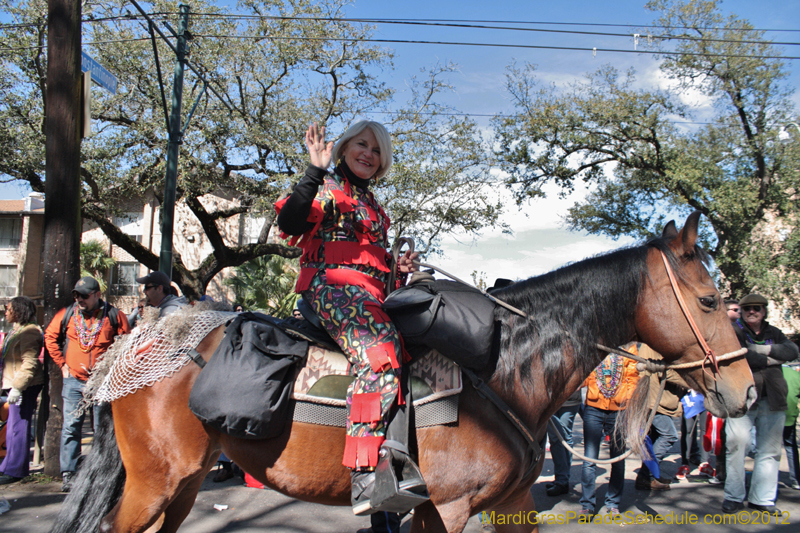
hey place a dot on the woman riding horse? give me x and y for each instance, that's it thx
(146, 469)
(342, 230)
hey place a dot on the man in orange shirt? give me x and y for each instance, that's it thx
(609, 386)
(76, 340)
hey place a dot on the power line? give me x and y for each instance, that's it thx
(462, 23)
(480, 25)
(594, 50)
(477, 24)
(468, 21)
(496, 45)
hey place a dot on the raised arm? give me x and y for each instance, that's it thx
(293, 217)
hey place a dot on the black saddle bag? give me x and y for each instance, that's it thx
(454, 319)
(244, 390)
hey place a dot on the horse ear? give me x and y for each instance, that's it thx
(670, 231)
(689, 231)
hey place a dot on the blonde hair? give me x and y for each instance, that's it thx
(381, 135)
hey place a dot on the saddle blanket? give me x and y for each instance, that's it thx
(321, 385)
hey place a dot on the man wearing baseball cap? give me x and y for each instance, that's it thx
(767, 347)
(76, 339)
(157, 291)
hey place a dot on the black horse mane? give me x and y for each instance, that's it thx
(573, 308)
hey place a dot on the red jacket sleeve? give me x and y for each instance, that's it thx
(51, 335)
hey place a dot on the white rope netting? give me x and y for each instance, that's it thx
(154, 350)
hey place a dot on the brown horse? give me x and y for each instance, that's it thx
(480, 463)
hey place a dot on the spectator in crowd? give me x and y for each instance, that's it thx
(564, 419)
(76, 339)
(692, 451)
(733, 309)
(663, 433)
(609, 386)
(225, 471)
(23, 377)
(766, 347)
(734, 314)
(133, 317)
(157, 291)
(791, 373)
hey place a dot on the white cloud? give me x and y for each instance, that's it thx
(528, 253)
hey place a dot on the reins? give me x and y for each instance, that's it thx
(650, 418)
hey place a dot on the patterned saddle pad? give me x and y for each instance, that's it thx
(321, 386)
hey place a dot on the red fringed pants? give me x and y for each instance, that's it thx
(355, 320)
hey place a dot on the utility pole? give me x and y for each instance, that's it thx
(173, 151)
(62, 215)
(174, 122)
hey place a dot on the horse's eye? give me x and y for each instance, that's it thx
(708, 301)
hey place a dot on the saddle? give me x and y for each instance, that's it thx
(258, 352)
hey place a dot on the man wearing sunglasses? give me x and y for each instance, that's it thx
(157, 292)
(767, 347)
(76, 339)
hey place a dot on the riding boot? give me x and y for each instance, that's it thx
(361, 487)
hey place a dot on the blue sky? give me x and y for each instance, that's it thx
(539, 243)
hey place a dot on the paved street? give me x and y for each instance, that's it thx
(34, 507)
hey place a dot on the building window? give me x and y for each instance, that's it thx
(123, 279)
(131, 224)
(10, 232)
(8, 281)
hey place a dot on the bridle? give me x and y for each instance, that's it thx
(707, 351)
(654, 365)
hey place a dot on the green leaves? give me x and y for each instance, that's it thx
(266, 284)
(96, 262)
(285, 65)
(644, 170)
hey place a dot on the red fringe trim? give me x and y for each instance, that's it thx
(360, 452)
(311, 251)
(406, 355)
(355, 253)
(304, 279)
(378, 314)
(344, 202)
(381, 356)
(365, 407)
(345, 276)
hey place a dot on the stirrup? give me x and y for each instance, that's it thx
(399, 486)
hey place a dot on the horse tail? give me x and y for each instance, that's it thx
(98, 485)
(632, 423)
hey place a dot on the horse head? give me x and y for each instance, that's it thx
(663, 323)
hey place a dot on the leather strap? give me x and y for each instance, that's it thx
(489, 394)
(197, 358)
(709, 353)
